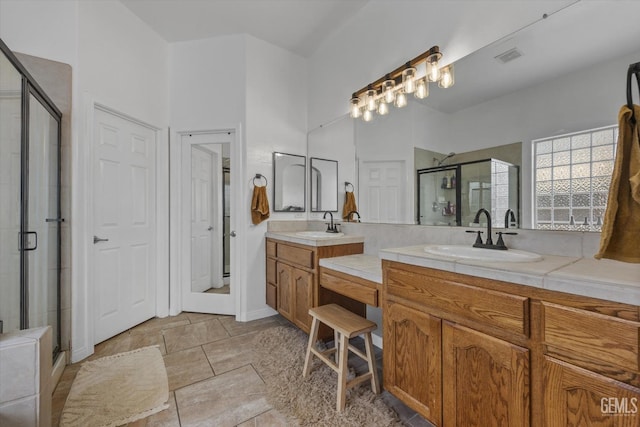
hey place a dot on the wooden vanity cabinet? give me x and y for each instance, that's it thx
(463, 350)
(292, 279)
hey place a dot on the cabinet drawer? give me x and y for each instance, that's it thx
(271, 271)
(298, 256)
(471, 303)
(271, 249)
(592, 335)
(353, 288)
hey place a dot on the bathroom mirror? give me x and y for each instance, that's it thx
(289, 182)
(556, 86)
(323, 176)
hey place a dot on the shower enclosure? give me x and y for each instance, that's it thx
(30, 215)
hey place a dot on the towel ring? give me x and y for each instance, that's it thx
(259, 176)
(346, 186)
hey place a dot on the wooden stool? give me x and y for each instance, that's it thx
(345, 325)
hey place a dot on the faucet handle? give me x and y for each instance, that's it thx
(500, 242)
(478, 238)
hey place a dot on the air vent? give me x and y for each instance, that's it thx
(509, 55)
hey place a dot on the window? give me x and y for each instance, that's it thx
(572, 176)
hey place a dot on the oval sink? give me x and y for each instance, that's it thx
(318, 234)
(470, 253)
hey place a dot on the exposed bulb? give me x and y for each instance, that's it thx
(422, 89)
(355, 107)
(387, 90)
(367, 116)
(383, 108)
(370, 100)
(433, 70)
(401, 99)
(447, 79)
(409, 80)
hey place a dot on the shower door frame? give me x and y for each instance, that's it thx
(31, 87)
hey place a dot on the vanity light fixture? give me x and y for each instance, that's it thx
(392, 89)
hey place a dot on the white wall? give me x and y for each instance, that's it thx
(360, 52)
(276, 121)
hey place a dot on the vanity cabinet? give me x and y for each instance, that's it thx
(459, 349)
(292, 279)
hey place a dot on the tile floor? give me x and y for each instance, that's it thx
(211, 379)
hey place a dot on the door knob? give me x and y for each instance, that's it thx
(232, 234)
(97, 239)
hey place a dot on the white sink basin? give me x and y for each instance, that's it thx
(470, 253)
(318, 234)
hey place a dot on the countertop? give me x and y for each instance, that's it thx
(604, 279)
(367, 267)
(330, 240)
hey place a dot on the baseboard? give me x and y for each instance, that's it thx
(377, 340)
(58, 368)
(256, 314)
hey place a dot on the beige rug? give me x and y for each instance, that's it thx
(311, 401)
(118, 389)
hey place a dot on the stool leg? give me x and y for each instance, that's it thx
(343, 372)
(371, 360)
(336, 344)
(313, 337)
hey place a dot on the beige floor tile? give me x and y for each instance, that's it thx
(166, 418)
(271, 418)
(187, 367)
(240, 328)
(225, 400)
(201, 317)
(118, 344)
(61, 392)
(230, 353)
(193, 335)
(158, 324)
(146, 340)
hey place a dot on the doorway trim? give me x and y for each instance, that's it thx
(176, 261)
(82, 179)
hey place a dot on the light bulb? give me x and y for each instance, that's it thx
(355, 107)
(422, 89)
(370, 100)
(367, 116)
(387, 90)
(409, 80)
(401, 99)
(383, 108)
(447, 79)
(433, 70)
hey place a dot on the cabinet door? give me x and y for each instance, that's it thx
(486, 380)
(272, 290)
(578, 397)
(284, 293)
(303, 297)
(412, 359)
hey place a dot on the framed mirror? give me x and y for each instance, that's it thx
(324, 185)
(289, 182)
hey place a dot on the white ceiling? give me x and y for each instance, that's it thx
(296, 25)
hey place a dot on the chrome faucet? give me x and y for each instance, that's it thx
(351, 213)
(331, 227)
(509, 218)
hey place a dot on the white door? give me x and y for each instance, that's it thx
(204, 288)
(383, 191)
(124, 220)
(202, 217)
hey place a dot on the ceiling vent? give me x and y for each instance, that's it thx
(509, 55)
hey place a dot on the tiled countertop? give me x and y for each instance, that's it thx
(367, 267)
(604, 279)
(330, 240)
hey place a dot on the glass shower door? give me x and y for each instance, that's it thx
(10, 179)
(43, 219)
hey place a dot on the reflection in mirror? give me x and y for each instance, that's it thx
(557, 86)
(210, 218)
(324, 185)
(289, 182)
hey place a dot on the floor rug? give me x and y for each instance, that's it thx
(311, 401)
(118, 389)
